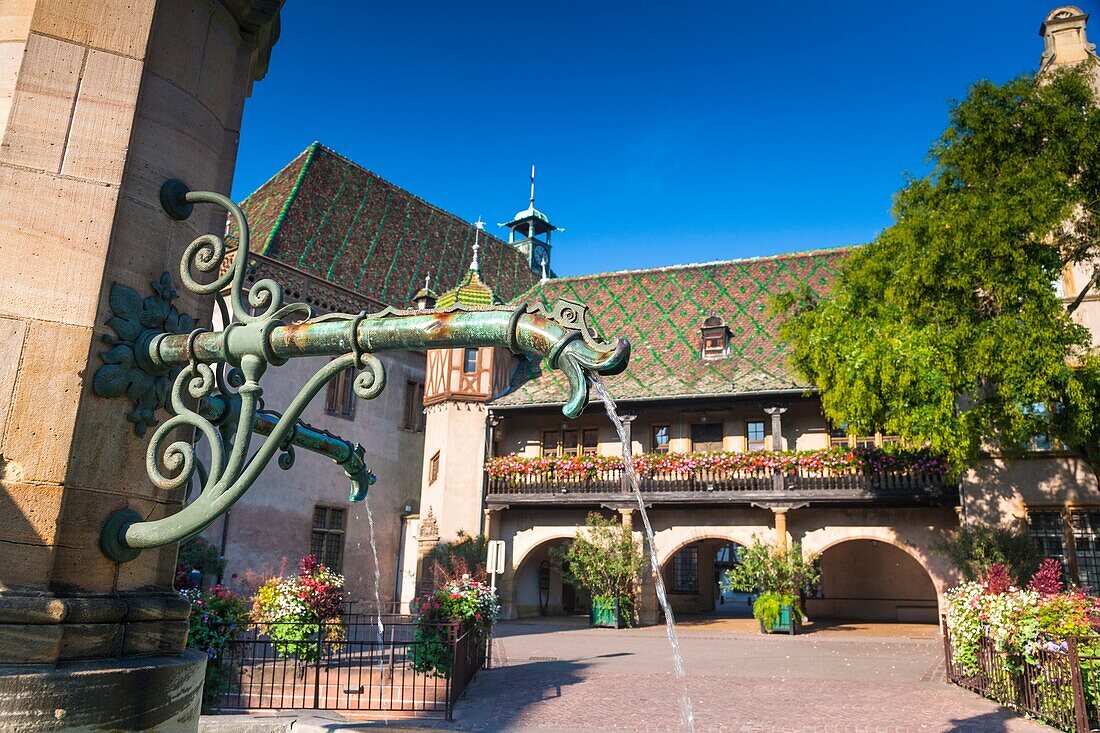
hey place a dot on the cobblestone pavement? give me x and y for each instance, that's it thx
(561, 675)
(558, 676)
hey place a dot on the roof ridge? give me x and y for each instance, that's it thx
(686, 266)
(712, 263)
(427, 203)
(275, 175)
(310, 152)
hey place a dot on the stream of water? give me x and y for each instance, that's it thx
(377, 570)
(687, 716)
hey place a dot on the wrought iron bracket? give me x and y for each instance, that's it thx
(209, 381)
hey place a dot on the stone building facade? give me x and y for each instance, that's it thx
(708, 372)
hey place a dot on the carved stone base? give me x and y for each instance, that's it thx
(137, 694)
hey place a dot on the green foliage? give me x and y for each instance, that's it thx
(464, 555)
(198, 554)
(463, 605)
(216, 615)
(973, 549)
(946, 330)
(604, 559)
(300, 613)
(765, 608)
(768, 569)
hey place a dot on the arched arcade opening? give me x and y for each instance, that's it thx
(871, 580)
(693, 575)
(539, 588)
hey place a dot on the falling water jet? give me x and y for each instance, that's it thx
(377, 571)
(687, 716)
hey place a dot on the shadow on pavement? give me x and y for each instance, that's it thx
(992, 722)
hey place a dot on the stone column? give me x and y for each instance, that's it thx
(780, 515)
(100, 102)
(777, 426)
(627, 421)
(645, 590)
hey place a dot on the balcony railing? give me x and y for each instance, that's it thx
(763, 484)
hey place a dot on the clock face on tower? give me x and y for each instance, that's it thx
(539, 255)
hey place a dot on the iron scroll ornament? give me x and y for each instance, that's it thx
(210, 381)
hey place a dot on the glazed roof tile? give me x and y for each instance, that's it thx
(330, 217)
(661, 312)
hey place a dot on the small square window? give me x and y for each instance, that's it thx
(469, 361)
(550, 442)
(433, 468)
(754, 435)
(590, 441)
(661, 438)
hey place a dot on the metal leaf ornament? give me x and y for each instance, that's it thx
(134, 317)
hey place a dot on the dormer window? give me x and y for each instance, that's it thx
(716, 338)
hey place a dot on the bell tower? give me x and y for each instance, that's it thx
(529, 232)
(459, 382)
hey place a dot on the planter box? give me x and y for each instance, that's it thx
(606, 614)
(787, 623)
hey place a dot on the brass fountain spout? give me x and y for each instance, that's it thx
(158, 358)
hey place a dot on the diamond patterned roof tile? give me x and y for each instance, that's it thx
(661, 312)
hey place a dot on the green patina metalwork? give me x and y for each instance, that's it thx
(160, 359)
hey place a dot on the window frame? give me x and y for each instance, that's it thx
(470, 351)
(414, 418)
(328, 533)
(656, 446)
(685, 571)
(340, 397)
(433, 468)
(760, 444)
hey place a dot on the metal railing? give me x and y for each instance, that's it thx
(343, 666)
(825, 485)
(1059, 685)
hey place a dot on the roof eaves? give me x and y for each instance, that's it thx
(664, 398)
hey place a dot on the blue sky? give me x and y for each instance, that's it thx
(663, 132)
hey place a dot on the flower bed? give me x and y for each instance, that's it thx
(293, 611)
(865, 460)
(459, 605)
(1024, 646)
(216, 615)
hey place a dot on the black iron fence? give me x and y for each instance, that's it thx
(1060, 685)
(352, 665)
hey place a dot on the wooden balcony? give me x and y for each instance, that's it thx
(843, 487)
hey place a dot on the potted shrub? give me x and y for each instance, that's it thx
(604, 559)
(778, 576)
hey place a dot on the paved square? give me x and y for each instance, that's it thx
(560, 675)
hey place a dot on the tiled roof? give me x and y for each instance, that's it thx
(327, 216)
(471, 291)
(661, 312)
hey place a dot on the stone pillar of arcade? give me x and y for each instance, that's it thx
(100, 102)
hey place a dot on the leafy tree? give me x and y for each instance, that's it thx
(465, 555)
(946, 329)
(604, 560)
(974, 549)
(762, 567)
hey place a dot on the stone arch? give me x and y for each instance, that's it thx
(815, 543)
(521, 592)
(670, 541)
(527, 541)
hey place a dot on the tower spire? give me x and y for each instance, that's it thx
(478, 226)
(532, 185)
